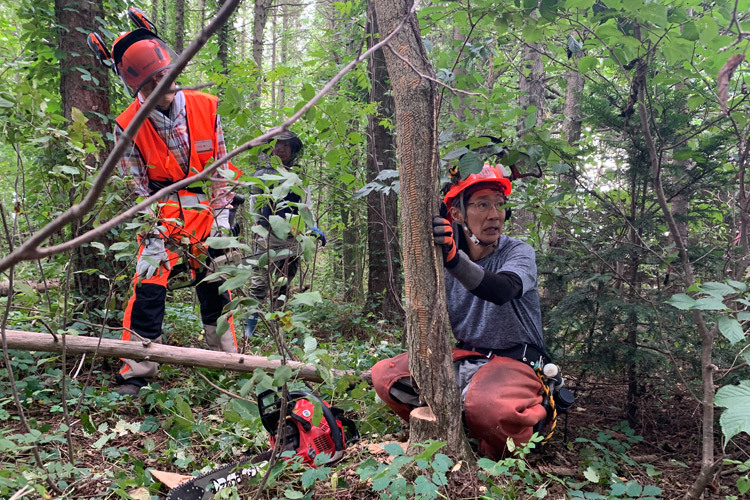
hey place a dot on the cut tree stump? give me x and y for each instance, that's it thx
(422, 425)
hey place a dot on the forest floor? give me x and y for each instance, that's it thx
(592, 443)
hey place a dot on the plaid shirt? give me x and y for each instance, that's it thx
(174, 132)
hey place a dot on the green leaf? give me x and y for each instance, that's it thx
(307, 92)
(306, 298)
(634, 489)
(311, 343)
(222, 325)
(695, 101)
(98, 245)
(743, 484)
(690, 32)
(651, 490)
(430, 450)
(441, 462)
(592, 475)
(425, 487)
(586, 63)
(618, 489)
(470, 163)
(731, 329)
(716, 289)
(293, 494)
(281, 375)
(393, 449)
(681, 301)
(222, 242)
(280, 226)
(580, 4)
(120, 245)
(530, 120)
(736, 400)
(738, 285)
(652, 472)
(709, 304)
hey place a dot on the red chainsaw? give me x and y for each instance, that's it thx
(299, 434)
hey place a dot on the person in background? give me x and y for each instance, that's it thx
(287, 148)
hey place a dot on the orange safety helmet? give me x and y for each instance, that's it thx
(139, 55)
(490, 174)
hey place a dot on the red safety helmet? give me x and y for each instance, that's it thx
(139, 55)
(493, 175)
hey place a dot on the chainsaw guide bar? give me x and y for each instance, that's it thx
(204, 487)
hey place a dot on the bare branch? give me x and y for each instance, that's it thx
(30, 248)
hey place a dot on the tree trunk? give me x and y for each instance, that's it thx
(179, 27)
(91, 97)
(350, 253)
(284, 49)
(260, 16)
(384, 262)
(427, 329)
(572, 110)
(155, 11)
(223, 41)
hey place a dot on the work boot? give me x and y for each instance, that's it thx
(218, 342)
(131, 390)
(250, 324)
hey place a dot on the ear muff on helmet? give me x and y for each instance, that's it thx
(139, 55)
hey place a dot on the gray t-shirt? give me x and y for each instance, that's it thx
(483, 324)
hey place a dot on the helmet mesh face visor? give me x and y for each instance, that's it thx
(138, 56)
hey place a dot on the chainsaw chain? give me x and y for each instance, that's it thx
(222, 477)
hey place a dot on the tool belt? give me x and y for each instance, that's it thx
(525, 353)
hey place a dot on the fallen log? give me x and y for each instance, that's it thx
(160, 353)
(36, 285)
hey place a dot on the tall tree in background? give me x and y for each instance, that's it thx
(179, 28)
(260, 17)
(223, 41)
(75, 18)
(384, 277)
(427, 330)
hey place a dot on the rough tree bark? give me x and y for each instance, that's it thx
(426, 323)
(384, 260)
(222, 39)
(260, 16)
(179, 26)
(92, 99)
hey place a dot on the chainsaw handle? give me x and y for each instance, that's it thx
(338, 438)
(270, 411)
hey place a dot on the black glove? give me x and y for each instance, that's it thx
(442, 232)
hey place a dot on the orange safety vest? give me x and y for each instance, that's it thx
(181, 219)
